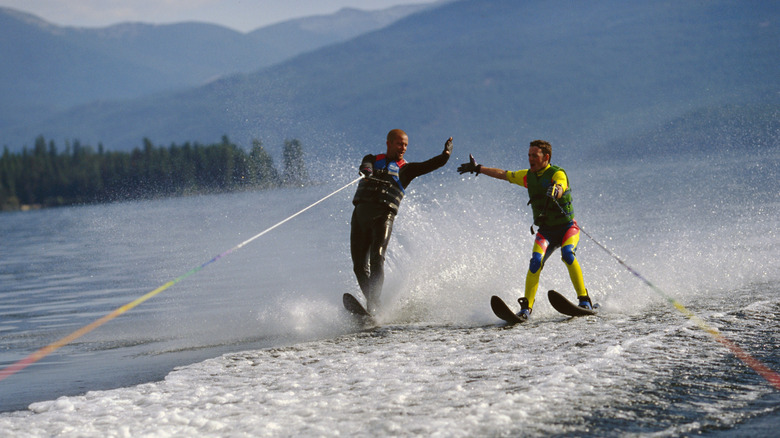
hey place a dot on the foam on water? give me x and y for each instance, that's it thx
(548, 377)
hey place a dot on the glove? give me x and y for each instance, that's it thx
(366, 169)
(553, 191)
(448, 146)
(470, 167)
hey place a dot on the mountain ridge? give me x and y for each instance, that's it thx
(49, 68)
(492, 74)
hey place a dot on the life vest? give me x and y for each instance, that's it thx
(546, 212)
(384, 186)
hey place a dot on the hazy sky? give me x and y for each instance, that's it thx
(242, 15)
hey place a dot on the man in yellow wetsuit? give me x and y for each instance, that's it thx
(551, 202)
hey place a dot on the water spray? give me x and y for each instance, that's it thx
(47, 350)
(764, 371)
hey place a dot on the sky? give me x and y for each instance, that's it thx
(241, 15)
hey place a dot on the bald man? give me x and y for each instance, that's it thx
(377, 199)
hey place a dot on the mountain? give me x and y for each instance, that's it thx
(48, 68)
(309, 33)
(707, 131)
(493, 74)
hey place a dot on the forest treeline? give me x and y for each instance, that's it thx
(46, 176)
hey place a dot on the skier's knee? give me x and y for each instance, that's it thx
(536, 263)
(567, 254)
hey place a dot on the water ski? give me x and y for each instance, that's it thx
(561, 304)
(354, 307)
(503, 311)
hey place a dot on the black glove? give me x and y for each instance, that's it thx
(448, 146)
(553, 191)
(471, 166)
(366, 169)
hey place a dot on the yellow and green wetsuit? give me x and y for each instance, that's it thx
(557, 227)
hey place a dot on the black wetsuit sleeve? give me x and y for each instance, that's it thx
(368, 159)
(413, 170)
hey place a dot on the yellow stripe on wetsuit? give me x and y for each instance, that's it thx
(519, 177)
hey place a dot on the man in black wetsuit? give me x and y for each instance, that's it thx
(376, 201)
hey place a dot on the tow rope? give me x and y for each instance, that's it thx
(47, 350)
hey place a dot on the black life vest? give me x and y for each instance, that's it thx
(384, 186)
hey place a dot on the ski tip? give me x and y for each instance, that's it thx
(563, 305)
(354, 306)
(503, 311)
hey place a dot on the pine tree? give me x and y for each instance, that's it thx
(294, 168)
(263, 172)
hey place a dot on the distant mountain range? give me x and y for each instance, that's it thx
(47, 68)
(602, 75)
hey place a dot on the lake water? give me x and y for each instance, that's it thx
(257, 342)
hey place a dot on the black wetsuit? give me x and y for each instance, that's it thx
(372, 224)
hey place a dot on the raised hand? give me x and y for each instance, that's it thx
(470, 167)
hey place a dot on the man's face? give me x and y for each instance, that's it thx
(536, 159)
(396, 147)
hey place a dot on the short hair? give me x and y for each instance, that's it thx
(395, 133)
(544, 146)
